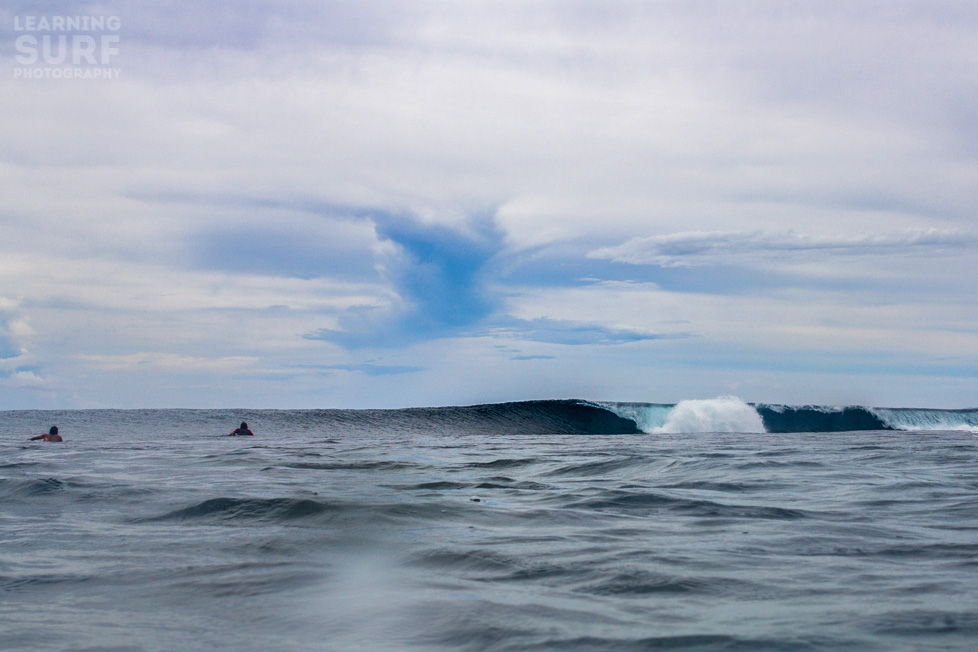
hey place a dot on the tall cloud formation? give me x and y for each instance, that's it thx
(359, 203)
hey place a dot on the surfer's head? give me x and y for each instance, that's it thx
(53, 430)
(244, 426)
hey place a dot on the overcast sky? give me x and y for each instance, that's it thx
(386, 204)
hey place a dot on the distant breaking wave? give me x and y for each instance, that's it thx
(731, 414)
(723, 414)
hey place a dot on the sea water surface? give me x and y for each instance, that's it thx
(511, 527)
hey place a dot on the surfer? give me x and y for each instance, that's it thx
(242, 430)
(50, 435)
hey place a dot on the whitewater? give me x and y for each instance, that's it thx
(540, 525)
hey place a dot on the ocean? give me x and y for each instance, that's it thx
(542, 525)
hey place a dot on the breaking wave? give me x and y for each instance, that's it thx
(731, 414)
(722, 414)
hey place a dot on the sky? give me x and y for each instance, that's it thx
(348, 204)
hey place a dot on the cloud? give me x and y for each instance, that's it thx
(15, 334)
(26, 379)
(293, 247)
(371, 369)
(171, 361)
(704, 248)
(558, 331)
(299, 178)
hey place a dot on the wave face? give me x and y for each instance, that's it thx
(571, 417)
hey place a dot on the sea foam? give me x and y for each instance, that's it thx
(722, 414)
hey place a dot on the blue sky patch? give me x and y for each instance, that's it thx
(440, 276)
(7, 348)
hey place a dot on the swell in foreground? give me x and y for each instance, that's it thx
(490, 528)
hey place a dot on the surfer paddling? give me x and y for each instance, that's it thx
(50, 435)
(242, 431)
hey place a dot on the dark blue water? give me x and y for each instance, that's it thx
(477, 530)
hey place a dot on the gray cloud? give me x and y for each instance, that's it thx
(703, 248)
(573, 333)
(371, 369)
